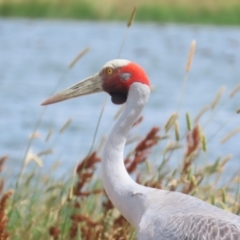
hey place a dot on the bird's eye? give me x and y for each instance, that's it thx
(109, 71)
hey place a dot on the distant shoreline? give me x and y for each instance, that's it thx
(83, 10)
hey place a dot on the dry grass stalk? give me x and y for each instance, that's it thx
(190, 56)
(65, 125)
(218, 167)
(170, 121)
(163, 137)
(130, 21)
(224, 195)
(80, 55)
(173, 184)
(189, 122)
(202, 111)
(204, 143)
(31, 156)
(230, 135)
(171, 146)
(50, 132)
(176, 130)
(217, 97)
(234, 91)
(35, 135)
(154, 183)
(226, 159)
(45, 152)
(193, 184)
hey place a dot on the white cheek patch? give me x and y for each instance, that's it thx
(125, 76)
(116, 63)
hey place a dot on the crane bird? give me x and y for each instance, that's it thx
(155, 213)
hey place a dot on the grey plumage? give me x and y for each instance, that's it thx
(176, 216)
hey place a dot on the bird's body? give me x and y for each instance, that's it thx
(156, 214)
(176, 216)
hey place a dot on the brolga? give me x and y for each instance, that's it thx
(156, 214)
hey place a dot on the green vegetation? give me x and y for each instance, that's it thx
(76, 207)
(184, 11)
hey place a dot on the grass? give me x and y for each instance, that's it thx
(184, 11)
(42, 206)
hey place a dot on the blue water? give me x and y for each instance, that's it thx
(35, 55)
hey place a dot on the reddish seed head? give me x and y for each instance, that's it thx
(118, 75)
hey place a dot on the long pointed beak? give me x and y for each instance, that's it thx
(89, 85)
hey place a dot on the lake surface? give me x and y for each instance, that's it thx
(35, 55)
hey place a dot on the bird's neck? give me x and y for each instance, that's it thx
(118, 184)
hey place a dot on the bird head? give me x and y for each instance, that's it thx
(115, 78)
